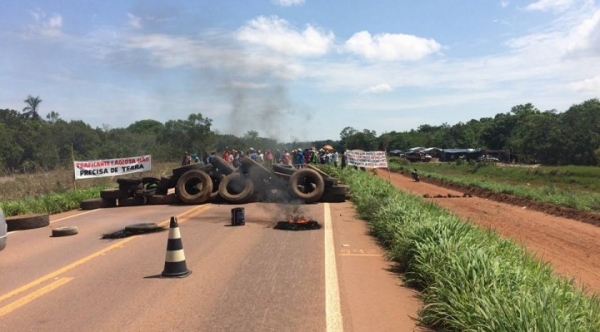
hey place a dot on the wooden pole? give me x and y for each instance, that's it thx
(388, 165)
(73, 164)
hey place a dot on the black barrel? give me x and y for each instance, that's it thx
(237, 217)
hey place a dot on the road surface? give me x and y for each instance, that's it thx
(244, 278)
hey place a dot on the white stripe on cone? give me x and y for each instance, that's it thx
(174, 233)
(175, 256)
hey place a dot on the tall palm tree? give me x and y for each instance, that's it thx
(31, 111)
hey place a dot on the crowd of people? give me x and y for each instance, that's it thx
(295, 157)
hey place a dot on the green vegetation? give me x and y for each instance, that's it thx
(576, 187)
(53, 192)
(50, 203)
(470, 279)
(29, 143)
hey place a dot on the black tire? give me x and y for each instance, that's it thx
(236, 188)
(329, 181)
(109, 202)
(316, 169)
(216, 178)
(167, 182)
(313, 184)
(161, 191)
(222, 165)
(132, 201)
(142, 227)
(188, 188)
(332, 198)
(255, 170)
(340, 189)
(130, 187)
(92, 204)
(114, 194)
(64, 231)
(179, 171)
(27, 221)
(163, 199)
(284, 169)
(150, 182)
(129, 181)
(144, 193)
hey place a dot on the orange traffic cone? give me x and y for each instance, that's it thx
(175, 266)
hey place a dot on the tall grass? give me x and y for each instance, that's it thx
(470, 279)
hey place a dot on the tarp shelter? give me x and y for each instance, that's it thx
(454, 154)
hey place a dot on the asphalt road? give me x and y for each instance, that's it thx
(244, 278)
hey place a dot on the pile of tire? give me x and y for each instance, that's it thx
(254, 182)
(220, 182)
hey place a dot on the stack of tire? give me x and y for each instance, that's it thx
(219, 181)
(254, 182)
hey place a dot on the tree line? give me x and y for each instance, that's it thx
(28, 142)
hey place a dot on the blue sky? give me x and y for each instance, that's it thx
(298, 69)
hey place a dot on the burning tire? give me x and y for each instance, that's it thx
(27, 221)
(194, 187)
(307, 184)
(222, 165)
(236, 188)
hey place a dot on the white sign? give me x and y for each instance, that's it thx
(111, 167)
(368, 159)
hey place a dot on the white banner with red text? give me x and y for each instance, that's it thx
(111, 167)
(367, 159)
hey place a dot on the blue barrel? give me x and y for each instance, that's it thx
(237, 217)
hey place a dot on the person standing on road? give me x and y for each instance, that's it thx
(187, 159)
(335, 157)
(226, 155)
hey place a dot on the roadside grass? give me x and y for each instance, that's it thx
(469, 279)
(576, 187)
(53, 192)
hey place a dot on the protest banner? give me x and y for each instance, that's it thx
(367, 159)
(111, 167)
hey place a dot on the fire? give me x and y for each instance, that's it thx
(298, 219)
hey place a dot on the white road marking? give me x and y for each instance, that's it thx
(333, 312)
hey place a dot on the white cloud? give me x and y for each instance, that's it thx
(44, 25)
(278, 35)
(391, 47)
(588, 85)
(504, 3)
(379, 88)
(551, 5)
(134, 21)
(288, 3)
(585, 37)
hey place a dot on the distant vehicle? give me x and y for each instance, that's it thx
(488, 159)
(3, 230)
